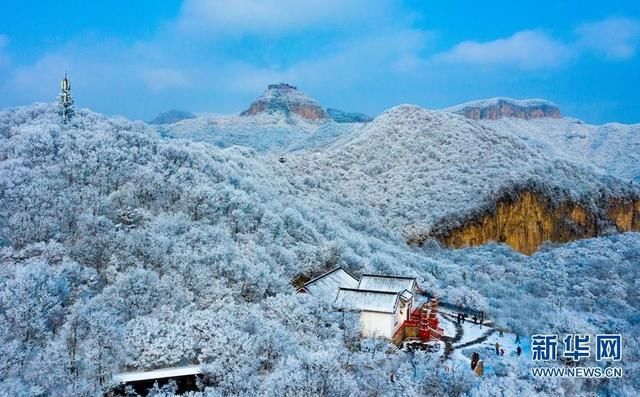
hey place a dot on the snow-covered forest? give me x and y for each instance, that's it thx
(126, 246)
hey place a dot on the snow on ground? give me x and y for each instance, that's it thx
(497, 364)
(493, 364)
(471, 332)
(447, 326)
(482, 339)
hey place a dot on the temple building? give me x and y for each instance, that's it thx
(384, 302)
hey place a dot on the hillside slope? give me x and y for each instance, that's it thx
(429, 173)
(613, 147)
(262, 132)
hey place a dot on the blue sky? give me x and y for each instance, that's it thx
(137, 58)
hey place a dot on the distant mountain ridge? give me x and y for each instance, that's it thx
(271, 124)
(348, 117)
(499, 107)
(172, 116)
(282, 118)
(287, 99)
(612, 147)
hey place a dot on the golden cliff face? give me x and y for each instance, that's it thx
(625, 214)
(527, 222)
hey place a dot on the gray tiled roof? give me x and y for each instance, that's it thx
(367, 300)
(378, 282)
(328, 283)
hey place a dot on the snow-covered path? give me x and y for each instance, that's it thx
(462, 339)
(450, 337)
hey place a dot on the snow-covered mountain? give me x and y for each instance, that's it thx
(121, 249)
(286, 99)
(499, 107)
(435, 173)
(282, 118)
(614, 148)
(426, 171)
(262, 132)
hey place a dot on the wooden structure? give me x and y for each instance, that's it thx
(422, 325)
(142, 381)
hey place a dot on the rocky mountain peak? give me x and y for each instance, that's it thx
(287, 99)
(495, 108)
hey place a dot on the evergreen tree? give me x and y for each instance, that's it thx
(66, 109)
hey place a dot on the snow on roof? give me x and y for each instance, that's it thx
(127, 377)
(481, 103)
(366, 300)
(329, 282)
(380, 282)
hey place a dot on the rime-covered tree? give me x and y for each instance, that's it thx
(120, 250)
(66, 108)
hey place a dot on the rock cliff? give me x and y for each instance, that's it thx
(495, 108)
(529, 220)
(287, 99)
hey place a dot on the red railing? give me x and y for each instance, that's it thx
(424, 318)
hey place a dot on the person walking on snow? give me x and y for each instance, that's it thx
(475, 357)
(518, 339)
(497, 349)
(519, 351)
